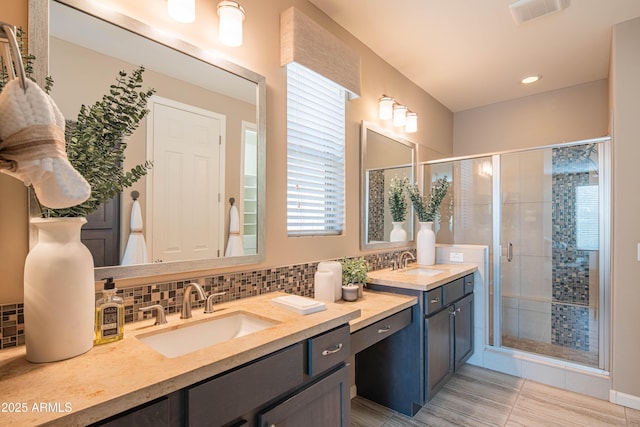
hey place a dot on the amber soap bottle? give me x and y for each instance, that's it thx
(109, 315)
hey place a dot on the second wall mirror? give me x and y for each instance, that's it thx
(384, 156)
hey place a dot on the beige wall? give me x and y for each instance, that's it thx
(261, 53)
(625, 93)
(564, 115)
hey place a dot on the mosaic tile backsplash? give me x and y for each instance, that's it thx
(294, 279)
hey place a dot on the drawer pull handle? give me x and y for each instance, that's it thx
(469, 283)
(384, 329)
(435, 300)
(336, 348)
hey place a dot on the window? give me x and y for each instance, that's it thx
(315, 153)
(587, 227)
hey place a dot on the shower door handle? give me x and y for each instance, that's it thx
(510, 252)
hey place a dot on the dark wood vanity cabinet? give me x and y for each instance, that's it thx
(307, 381)
(304, 384)
(449, 342)
(407, 369)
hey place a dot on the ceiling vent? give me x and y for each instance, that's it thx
(526, 10)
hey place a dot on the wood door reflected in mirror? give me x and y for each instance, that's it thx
(384, 156)
(204, 134)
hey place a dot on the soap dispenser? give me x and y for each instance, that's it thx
(109, 315)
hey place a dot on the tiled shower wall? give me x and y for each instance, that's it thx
(295, 279)
(376, 205)
(570, 266)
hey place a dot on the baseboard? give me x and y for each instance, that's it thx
(624, 399)
(354, 391)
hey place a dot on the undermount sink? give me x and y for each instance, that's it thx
(184, 339)
(422, 271)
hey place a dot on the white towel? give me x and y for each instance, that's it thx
(136, 250)
(234, 245)
(32, 146)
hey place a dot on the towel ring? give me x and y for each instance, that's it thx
(8, 35)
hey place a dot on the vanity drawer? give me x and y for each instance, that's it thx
(453, 291)
(380, 330)
(433, 300)
(235, 393)
(468, 284)
(328, 350)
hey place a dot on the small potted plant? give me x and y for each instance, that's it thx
(398, 207)
(426, 209)
(354, 276)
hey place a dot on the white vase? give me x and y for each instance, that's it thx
(426, 244)
(398, 233)
(59, 292)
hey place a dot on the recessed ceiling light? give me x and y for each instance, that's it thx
(530, 79)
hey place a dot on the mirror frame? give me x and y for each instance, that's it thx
(364, 245)
(39, 46)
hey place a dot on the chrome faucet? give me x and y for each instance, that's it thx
(161, 319)
(404, 258)
(186, 299)
(208, 306)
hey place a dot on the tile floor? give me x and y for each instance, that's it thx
(481, 397)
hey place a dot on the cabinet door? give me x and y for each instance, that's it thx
(152, 414)
(222, 399)
(463, 330)
(324, 403)
(439, 350)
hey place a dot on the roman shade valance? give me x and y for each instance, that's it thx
(304, 41)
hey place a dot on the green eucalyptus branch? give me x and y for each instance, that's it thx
(96, 143)
(397, 198)
(426, 208)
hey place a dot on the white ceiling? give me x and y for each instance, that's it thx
(470, 53)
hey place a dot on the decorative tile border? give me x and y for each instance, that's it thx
(294, 279)
(11, 325)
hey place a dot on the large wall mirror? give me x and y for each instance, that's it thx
(384, 156)
(205, 134)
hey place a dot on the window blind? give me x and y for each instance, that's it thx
(315, 153)
(304, 41)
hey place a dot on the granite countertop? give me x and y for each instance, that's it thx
(114, 377)
(441, 274)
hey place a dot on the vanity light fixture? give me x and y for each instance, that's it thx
(399, 115)
(411, 122)
(530, 79)
(230, 26)
(385, 109)
(182, 10)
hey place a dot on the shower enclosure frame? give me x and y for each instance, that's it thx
(604, 248)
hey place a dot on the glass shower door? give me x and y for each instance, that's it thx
(549, 261)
